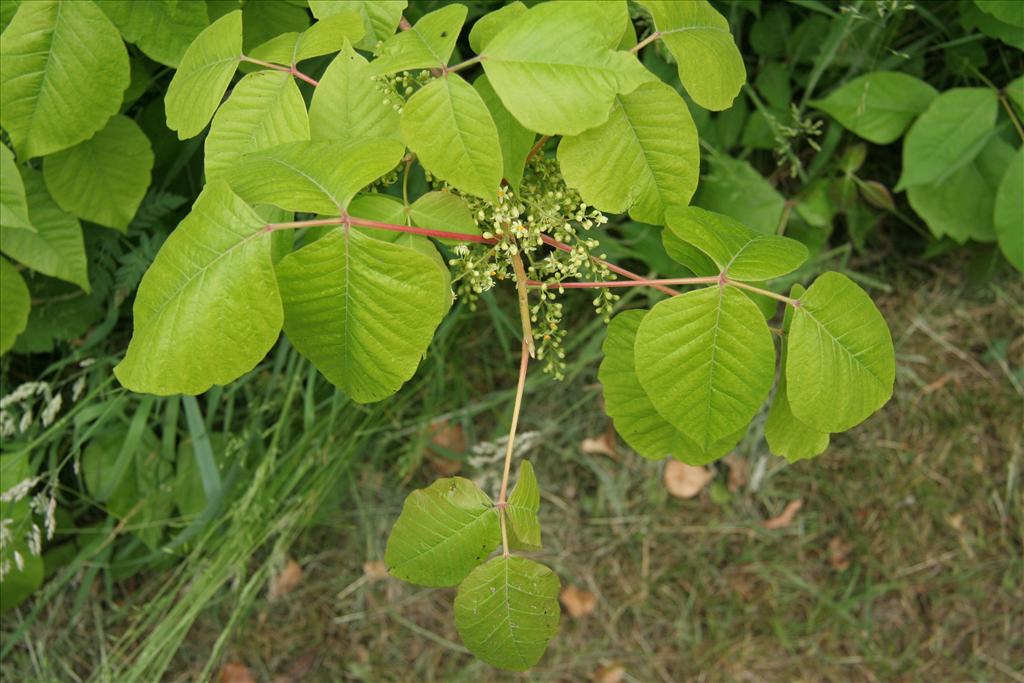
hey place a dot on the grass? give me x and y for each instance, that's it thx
(904, 563)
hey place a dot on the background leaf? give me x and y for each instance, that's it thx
(427, 44)
(878, 106)
(324, 37)
(1009, 212)
(161, 29)
(13, 205)
(14, 305)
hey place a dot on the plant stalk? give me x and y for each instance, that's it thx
(502, 500)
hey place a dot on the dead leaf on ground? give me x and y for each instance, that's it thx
(786, 518)
(737, 471)
(376, 570)
(603, 444)
(578, 602)
(609, 673)
(839, 553)
(235, 672)
(448, 438)
(286, 581)
(686, 481)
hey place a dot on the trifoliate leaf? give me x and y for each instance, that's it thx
(208, 309)
(878, 106)
(56, 248)
(1009, 212)
(522, 508)
(427, 45)
(443, 533)
(203, 76)
(644, 158)
(559, 82)
(443, 211)
(161, 29)
(265, 109)
(707, 361)
(103, 179)
(14, 305)
(948, 135)
(710, 65)
(13, 205)
(507, 612)
(332, 291)
(840, 364)
(380, 17)
(65, 72)
(347, 106)
(313, 177)
(737, 251)
(448, 126)
(491, 24)
(515, 139)
(322, 38)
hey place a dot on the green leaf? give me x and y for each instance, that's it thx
(56, 248)
(736, 189)
(443, 533)
(878, 106)
(1009, 212)
(103, 179)
(960, 205)
(313, 177)
(948, 135)
(737, 251)
(560, 82)
(695, 260)
(378, 207)
(443, 211)
(19, 584)
(635, 417)
(161, 29)
(203, 76)
(644, 158)
(707, 361)
(448, 126)
(840, 364)
(347, 106)
(333, 291)
(380, 17)
(710, 65)
(262, 21)
(972, 17)
(1015, 91)
(507, 611)
(787, 436)
(515, 140)
(65, 71)
(13, 205)
(324, 37)
(491, 24)
(523, 506)
(1007, 11)
(428, 44)
(208, 309)
(14, 305)
(265, 109)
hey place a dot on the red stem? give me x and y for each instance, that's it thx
(278, 67)
(551, 241)
(626, 283)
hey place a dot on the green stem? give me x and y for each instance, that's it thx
(645, 42)
(462, 65)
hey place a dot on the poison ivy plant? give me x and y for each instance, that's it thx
(350, 202)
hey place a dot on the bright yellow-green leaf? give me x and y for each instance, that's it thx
(644, 158)
(162, 29)
(65, 70)
(444, 531)
(203, 76)
(490, 24)
(347, 106)
(324, 37)
(103, 179)
(515, 139)
(443, 211)
(380, 17)
(208, 309)
(14, 305)
(13, 205)
(710, 65)
(448, 126)
(265, 109)
(522, 508)
(427, 45)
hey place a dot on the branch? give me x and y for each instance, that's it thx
(536, 148)
(627, 283)
(645, 42)
(524, 360)
(551, 241)
(278, 67)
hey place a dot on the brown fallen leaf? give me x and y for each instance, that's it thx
(786, 518)
(286, 581)
(839, 553)
(737, 471)
(609, 673)
(686, 481)
(448, 438)
(601, 445)
(235, 672)
(376, 570)
(578, 602)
